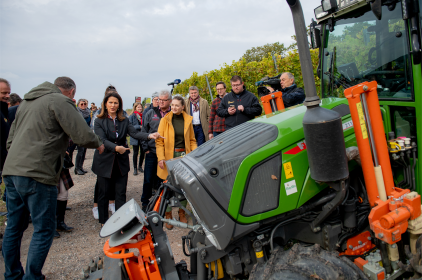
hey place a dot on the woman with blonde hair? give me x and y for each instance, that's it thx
(179, 139)
(136, 120)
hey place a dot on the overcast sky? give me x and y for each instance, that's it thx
(138, 46)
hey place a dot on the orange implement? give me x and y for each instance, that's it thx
(157, 204)
(353, 97)
(359, 244)
(142, 266)
(278, 100)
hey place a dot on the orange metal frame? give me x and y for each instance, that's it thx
(353, 97)
(388, 219)
(266, 101)
(142, 266)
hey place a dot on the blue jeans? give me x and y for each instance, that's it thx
(26, 196)
(151, 180)
(216, 133)
(199, 134)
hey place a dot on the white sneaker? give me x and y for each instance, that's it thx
(112, 208)
(95, 212)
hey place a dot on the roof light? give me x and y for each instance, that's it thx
(329, 5)
(319, 13)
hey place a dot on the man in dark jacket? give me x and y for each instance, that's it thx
(14, 101)
(37, 143)
(154, 103)
(292, 95)
(151, 121)
(239, 105)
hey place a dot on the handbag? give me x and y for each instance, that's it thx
(67, 163)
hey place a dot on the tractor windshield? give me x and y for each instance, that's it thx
(361, 48)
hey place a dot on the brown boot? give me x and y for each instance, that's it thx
(182, 217)
(169, 216)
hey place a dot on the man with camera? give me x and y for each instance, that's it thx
(239, 105)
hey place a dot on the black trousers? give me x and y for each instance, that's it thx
(119, 183)
(111, 193)
(136, 149)
(80, 157)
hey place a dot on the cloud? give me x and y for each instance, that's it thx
(137, 45)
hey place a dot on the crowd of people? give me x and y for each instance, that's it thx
(40, 133)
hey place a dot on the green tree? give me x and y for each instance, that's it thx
(258, 53)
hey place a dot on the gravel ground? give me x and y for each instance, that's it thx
(72, 251)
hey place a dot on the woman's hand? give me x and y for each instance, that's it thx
(161, 164)
(155, 136)
(121, 149)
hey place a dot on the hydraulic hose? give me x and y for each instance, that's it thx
(413, 167)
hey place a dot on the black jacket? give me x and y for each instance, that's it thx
(12, 113)
(247, 99)
(151, 121)
(293, 96)
(4, 132)
(102, 165)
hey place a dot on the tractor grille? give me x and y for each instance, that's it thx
(263, 187)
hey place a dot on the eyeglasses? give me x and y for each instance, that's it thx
(83, 104)
(237, 85)
(163, 100)
(220, 88)
(111, 87)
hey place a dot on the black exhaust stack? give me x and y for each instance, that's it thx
(322, 127)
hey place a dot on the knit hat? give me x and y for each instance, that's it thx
(154, 95)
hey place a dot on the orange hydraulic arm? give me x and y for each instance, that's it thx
(272, 102)
(392, 207)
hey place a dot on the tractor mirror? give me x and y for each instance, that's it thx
(315, 35)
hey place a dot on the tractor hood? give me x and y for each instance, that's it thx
(207, 175)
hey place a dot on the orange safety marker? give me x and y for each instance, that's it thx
(157, 204)
(141, 267)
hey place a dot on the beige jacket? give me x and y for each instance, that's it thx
(204, 114)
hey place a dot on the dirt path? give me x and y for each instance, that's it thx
(72, 251)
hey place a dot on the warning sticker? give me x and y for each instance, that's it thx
(288, 170)
(290, 187)
(362, 120)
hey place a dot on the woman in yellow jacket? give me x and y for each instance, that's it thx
(179, 139)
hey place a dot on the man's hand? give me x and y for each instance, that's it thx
(210, 136)
(161, 164)
(147, 152)
(155, 135)
(101, 149)
(270, 89)
(232, 110)
(121, 149)
(240, 108)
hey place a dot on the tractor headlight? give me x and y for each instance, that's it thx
(208, 234)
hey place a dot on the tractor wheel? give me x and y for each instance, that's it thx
(306, 263)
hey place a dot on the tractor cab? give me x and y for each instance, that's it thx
(363, 43)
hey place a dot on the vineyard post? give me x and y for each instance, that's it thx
(209, 88)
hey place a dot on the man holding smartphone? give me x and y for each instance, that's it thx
(239, 105)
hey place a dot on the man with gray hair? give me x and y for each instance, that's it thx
(292, 95)
(151, 121)
(199, 109)
(37, 143)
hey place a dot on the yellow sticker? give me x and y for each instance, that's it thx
(362, 120)
(288, 170)
(259, 254)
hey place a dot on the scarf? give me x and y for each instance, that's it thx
(195, 103)
(138, 116)
(86, 113)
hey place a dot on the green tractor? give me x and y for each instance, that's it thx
(324, 190)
